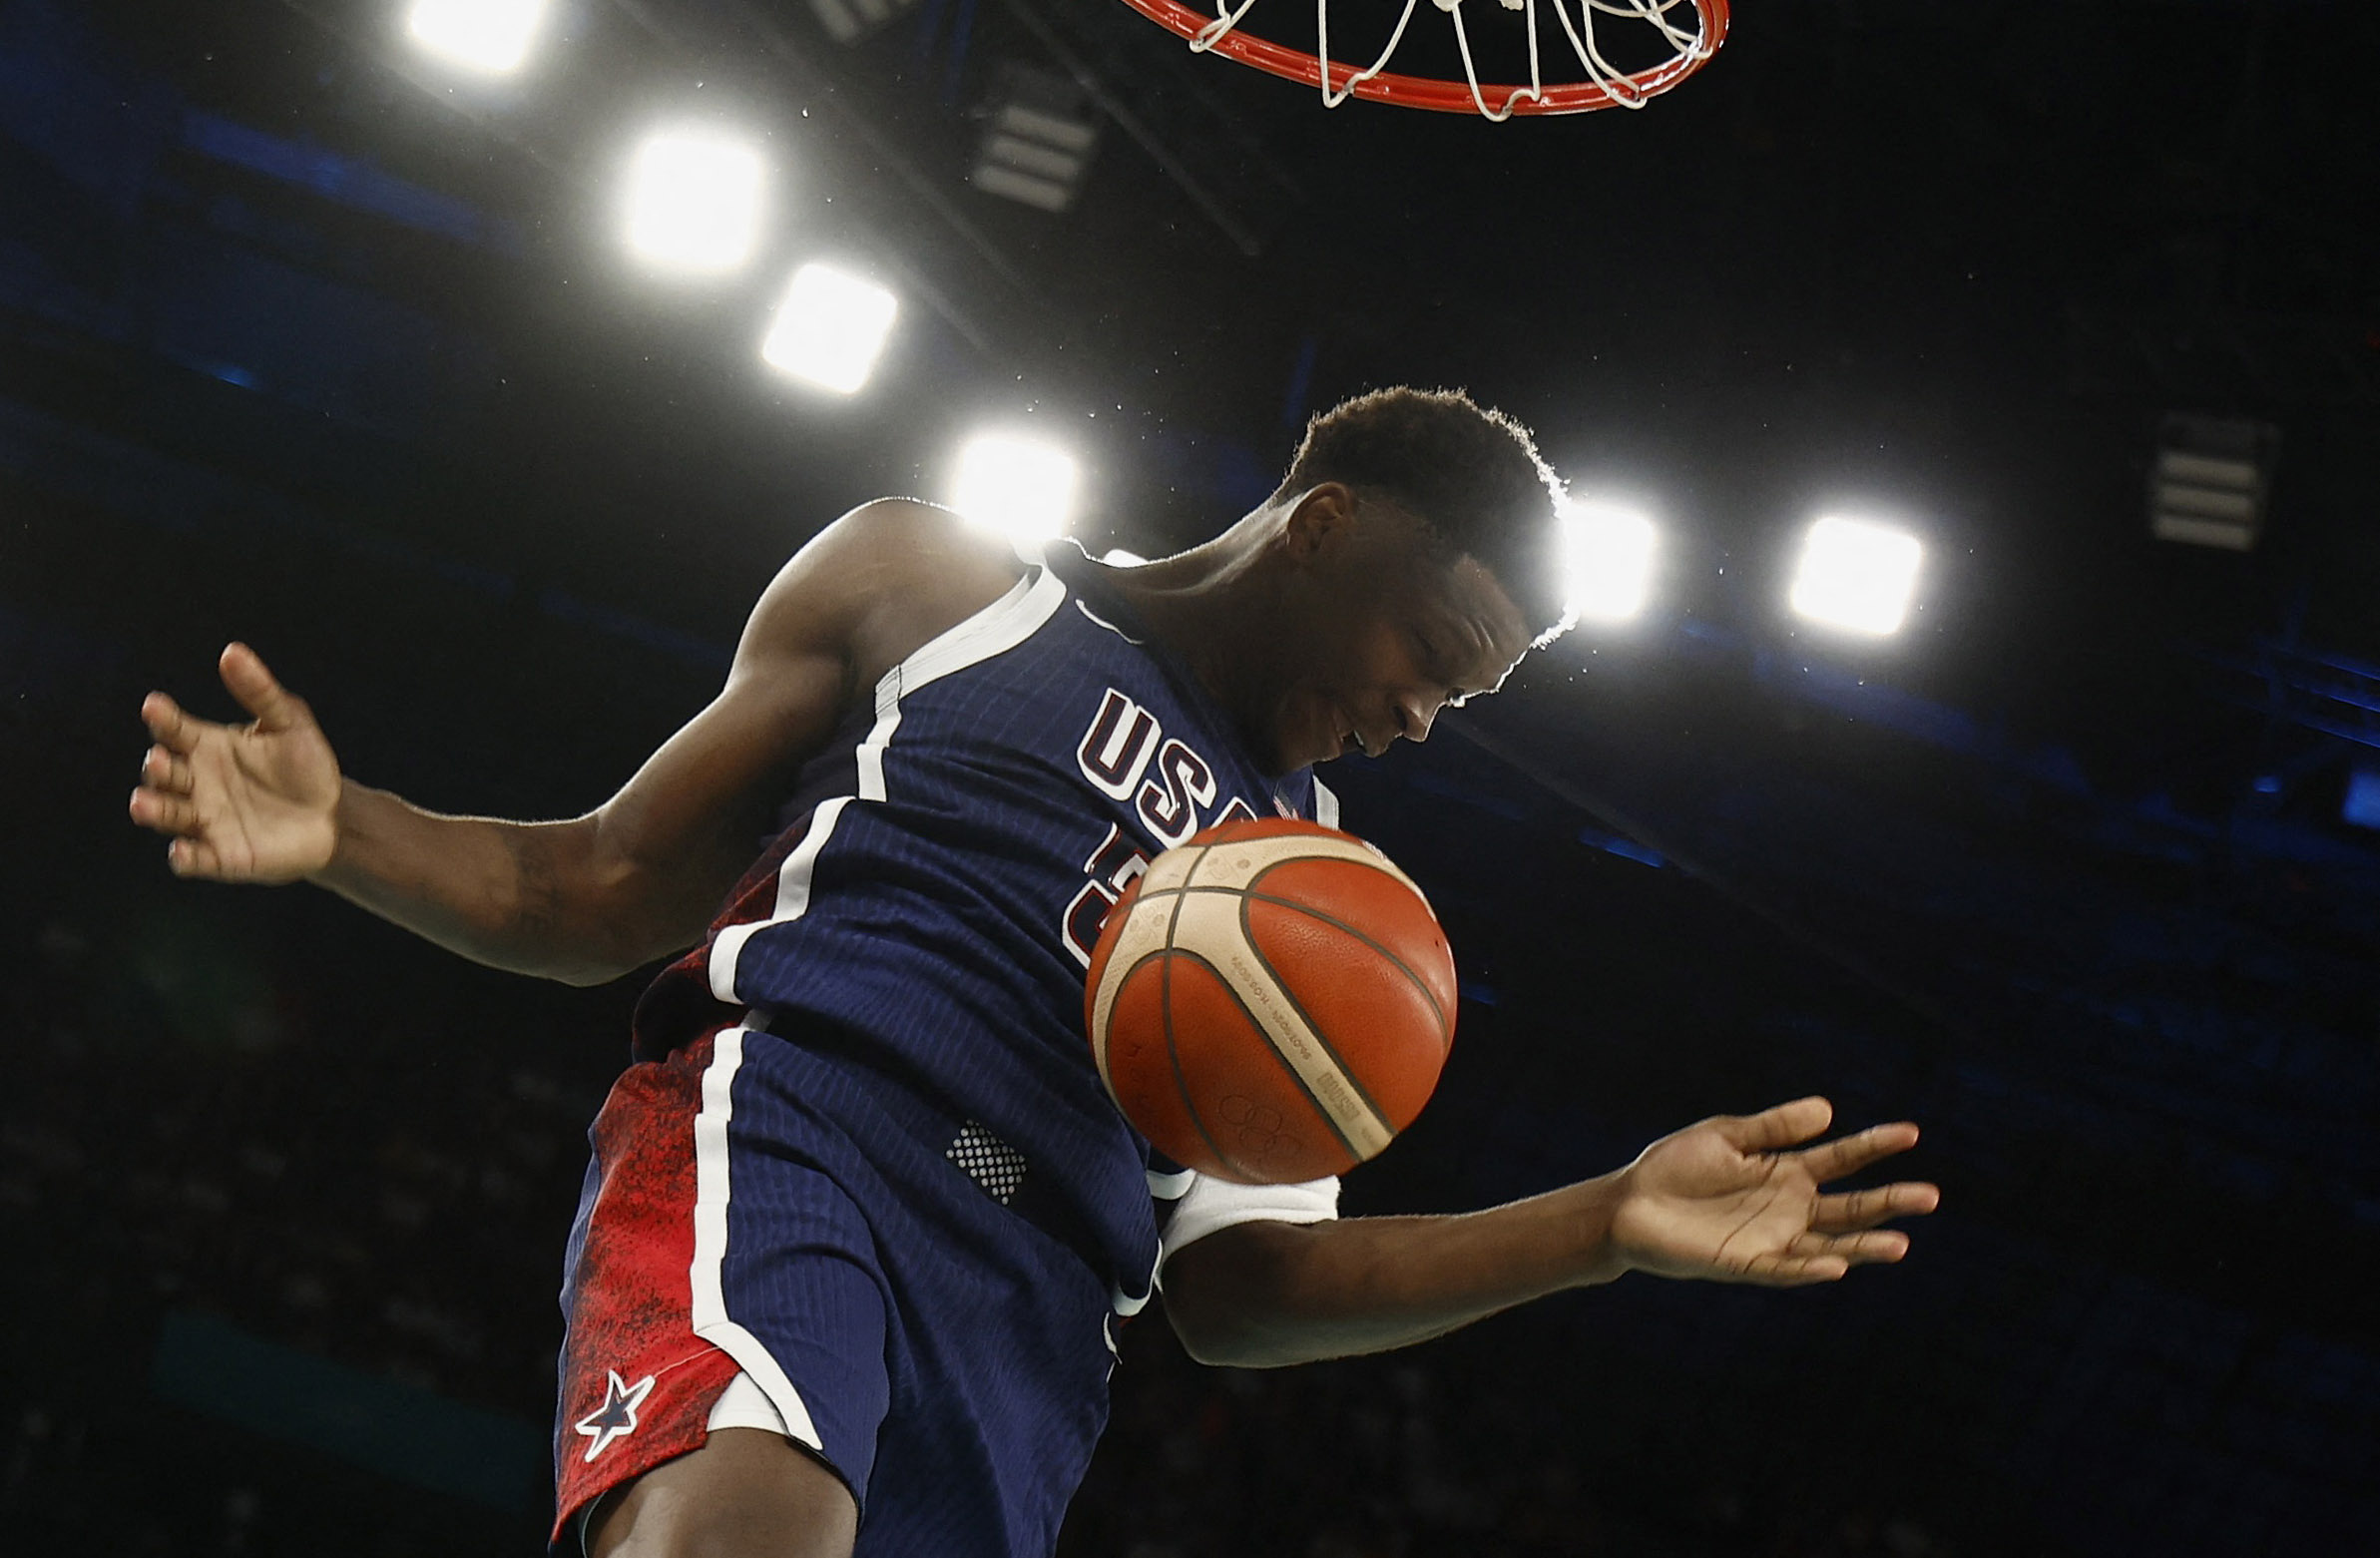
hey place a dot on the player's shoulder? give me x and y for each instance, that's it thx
(921, 543)
(891, 576)
(925, 568)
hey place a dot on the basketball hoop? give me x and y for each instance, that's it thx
(1672, 53)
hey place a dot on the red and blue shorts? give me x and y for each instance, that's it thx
(767, 1205)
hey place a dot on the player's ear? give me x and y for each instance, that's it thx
(1323, 516)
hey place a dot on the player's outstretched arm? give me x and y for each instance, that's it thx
(592, 898)
(1733, 1199)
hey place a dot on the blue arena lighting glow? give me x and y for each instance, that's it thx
(348, 180)
(2363, 798)
(1622, 845)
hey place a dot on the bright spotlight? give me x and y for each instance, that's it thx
(693, 202)
(1608, 553)
(830, 328)
(1017, 486)
(489, 35)
(1856, 575)
(1118, 557)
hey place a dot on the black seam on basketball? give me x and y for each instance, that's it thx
(1105, 1059)
(1445, 1028)
(1253, 1021)
(1248, 934)
(1118, 978)
(1165, 1004)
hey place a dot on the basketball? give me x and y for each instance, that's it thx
(1270, 1002)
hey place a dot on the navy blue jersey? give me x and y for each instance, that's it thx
(944, 865)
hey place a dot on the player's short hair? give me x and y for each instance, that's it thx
(1469, 474)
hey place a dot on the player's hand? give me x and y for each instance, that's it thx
(254, 802)
(1726, 1201)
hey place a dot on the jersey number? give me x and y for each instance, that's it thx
(1113, 866)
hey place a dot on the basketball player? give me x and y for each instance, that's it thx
(860, 1217)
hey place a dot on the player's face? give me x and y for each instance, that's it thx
(1390, 637)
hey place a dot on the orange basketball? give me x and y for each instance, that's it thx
(1270, 1002)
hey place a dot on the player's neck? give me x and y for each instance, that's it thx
(1209, 606)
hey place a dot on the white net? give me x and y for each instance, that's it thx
(1626, 52)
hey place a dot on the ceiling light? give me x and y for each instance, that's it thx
(1607, 554)
(847, 21)
(1021, 487)
(489, 35)
(1857, 575)
(830, 328)
(694, 201)
(2210, 481)
(1037, 141)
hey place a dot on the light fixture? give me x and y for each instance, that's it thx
(1608, 555)
(694, 201)
(1037, 141)
(2210, 481)
(1021, 487)
(830, 328)
(488, 35)
(848, 21)
(1856, 573)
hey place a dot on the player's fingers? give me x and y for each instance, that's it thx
(1781, 1126)
(275, 707)
(193, 857)
(1833, 1159)
(161, 770)
(177, 731)
(1796, 1270)
(1856, 1210)
(153, 808)
(1881, 1247)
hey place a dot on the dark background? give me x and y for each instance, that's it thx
(305, 340)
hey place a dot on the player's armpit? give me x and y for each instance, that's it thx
(870, 590)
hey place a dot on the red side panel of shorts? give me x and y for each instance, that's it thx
(636, 1385)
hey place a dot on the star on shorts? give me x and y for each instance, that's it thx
(618, 1414)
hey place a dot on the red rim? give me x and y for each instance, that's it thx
(1428, 92)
